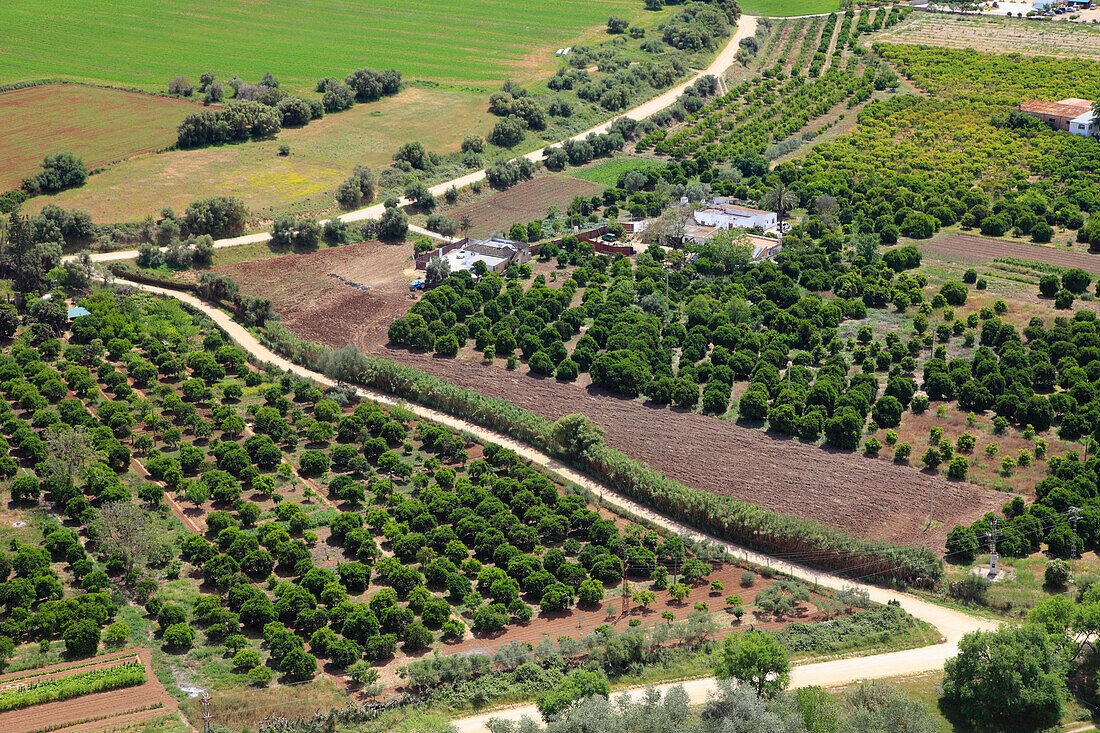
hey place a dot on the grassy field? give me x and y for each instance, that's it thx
(607, 173)
(787, 8)
(99, 125)
(496, 211)
(322, 155)
(473, 42)
(997, 34)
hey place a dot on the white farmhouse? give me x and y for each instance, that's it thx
(1084, 124)
(721, 214)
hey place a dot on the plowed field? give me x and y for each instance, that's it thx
(74, 710)
(322, 308)
(968, 248)
(523, 203)
(866, 497)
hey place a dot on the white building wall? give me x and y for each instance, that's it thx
(723, 220)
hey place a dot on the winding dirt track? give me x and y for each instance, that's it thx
(951, 623)
(746, 27)
(872, 498)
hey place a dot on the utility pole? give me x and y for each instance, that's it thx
(931, 501)
(1074, 516)
(993, 532)
(206, 713)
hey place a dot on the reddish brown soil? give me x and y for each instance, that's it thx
(321, 308)
(982, 249)
(89, 706)
(869, 498)
(100, 125)
(579, 621)
(523, 203)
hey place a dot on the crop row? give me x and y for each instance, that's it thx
(76, 685)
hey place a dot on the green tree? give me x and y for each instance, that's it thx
(27, 260)
(779, 199)
(756, 659)
(576, 434)
(1010, 679)
(81, 638)
(578, 685)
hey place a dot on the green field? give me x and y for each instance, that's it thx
(148, 42)
(607, 173)
(788, 8)
(321, 156)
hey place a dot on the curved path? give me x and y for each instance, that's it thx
(746, 27)
(952, 624)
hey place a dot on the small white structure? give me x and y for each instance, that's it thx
(721, 214)
(464, 259)
(1084, 124)
(495, 252)
(764, 248)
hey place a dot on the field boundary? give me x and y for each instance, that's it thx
(140, 701)
(19, 86)
(494, 419)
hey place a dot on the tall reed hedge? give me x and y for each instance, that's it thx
(805, 541)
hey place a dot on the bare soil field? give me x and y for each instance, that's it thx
(80, 710)
(980, 250)
(324, 309)
(869, 498)
(996, 34)
(99, 125)
(524, 203)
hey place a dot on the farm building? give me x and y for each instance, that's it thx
(722, 214)
(1069, 115)
(495, 252)
(763, 248)
(514, 252)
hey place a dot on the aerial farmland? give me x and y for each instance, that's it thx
(590, 367)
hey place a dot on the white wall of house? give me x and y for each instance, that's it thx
(735, 218)
(1084, 124)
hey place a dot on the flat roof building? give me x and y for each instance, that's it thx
(1058, 115)
(721, 213)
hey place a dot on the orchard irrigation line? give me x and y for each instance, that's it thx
(952, 624)
(746, 27)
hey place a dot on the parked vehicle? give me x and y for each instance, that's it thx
(417, 285)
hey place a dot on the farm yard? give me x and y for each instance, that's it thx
(100, 125)
(309, 537)
(968, 248)
(783, 8)
(321, 156)
(276, 473)
(495, 211)
(125, 43)
(997, 34)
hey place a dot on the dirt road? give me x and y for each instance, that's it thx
(865, 497)
(746, 27)
(952, 624)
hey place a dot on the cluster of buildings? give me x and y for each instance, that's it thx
(1072, 115)
(495, 252)
(718, 214)
(721, 214)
